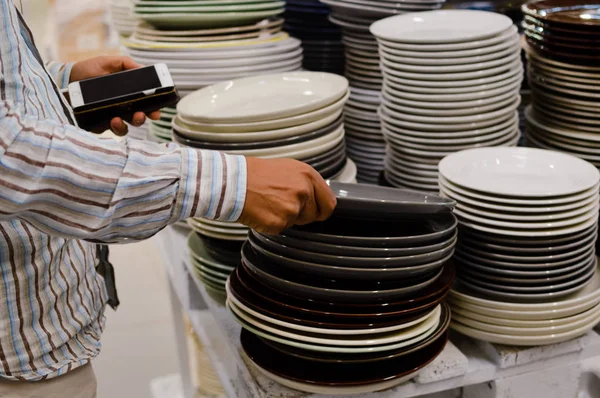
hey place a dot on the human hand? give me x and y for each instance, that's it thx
(105, 65)
(284, 192)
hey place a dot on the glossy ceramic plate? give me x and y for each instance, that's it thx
(519, 172)
(380, 233)
(216, 19)
(264, 97)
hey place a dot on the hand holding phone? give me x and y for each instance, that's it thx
(98, 100)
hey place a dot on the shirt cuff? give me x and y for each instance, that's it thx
(61, 73)
(213, 185)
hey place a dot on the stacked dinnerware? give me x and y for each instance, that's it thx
(528, 221)
(352, 304)
(190, 14)
(122, 17)
(308, 21)
(214, 257)
(363, 72)
(451, 82)
(564, 76)
(290, 115)
(198, 57)
(160, 130)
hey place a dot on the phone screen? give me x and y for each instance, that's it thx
(119, 84)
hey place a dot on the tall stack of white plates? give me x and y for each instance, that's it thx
(122, 16)
(528, 222)
(363, 130)
(451, 82)
(294, 115)
(161, 130)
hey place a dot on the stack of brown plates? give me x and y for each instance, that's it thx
(563, 59)
(321, 303)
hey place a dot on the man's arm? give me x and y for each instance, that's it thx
(67, 182)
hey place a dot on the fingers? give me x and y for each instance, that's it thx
(128, 63)
(138, 119)
(309, 210)
(118, 126)
(154, 115)
(324, 198)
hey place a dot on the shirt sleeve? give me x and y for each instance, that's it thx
(61, 73)
(68, 182)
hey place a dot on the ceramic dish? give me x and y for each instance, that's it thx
(273, 245)
(214, 19)
(218, 100)
(474, 169)
(355, 315)
(396, 234)
(338, 290)
(403, 370)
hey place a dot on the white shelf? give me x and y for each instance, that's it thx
(464, 362)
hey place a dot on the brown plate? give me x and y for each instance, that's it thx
(365, 358)
(572, 13)
(579, 31)
(562, 53)
(423, 300)
(272, 309)
(342, 374)
(566, 35)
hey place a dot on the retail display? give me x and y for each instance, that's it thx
(308, 21)
(564, 75)
(365, 143)
(329, 298)
(528, 222)
(446, 88)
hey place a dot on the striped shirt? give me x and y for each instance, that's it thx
(62, 187)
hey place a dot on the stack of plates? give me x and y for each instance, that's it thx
(214, 259)
(122, 17)
(321, 40)
(451, 81)
(160, 130)
(363, 72)
(291, 115)
(201, 57)
(564, 76)
(349, 305)
(528, 224)
(190, 14)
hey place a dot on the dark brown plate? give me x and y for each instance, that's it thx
(574, 13)
(267, 307)
(378, 233)
(549, 34)
(332, 289)
(423, 300)
(342, 374)
(365, 358)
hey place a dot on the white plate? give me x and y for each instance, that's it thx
(201, 72)
(267, 125)
(461, 76)
(223, 231)
(445, 127)
(216, 19)
(476, 60)
(348, 174)
(263, 97)
(504, 207)
(526, 331)
(401, 106)
(356, 341)
(511, 57)
(447, 56)
(301, 328)
(469, 119)
(519, 172)
(535, 324)
(141, 10)
(467, 45)
(540, 339)
(459, 86)
(315, 389)
(257, 135)
(446, 26)
(222, 46)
